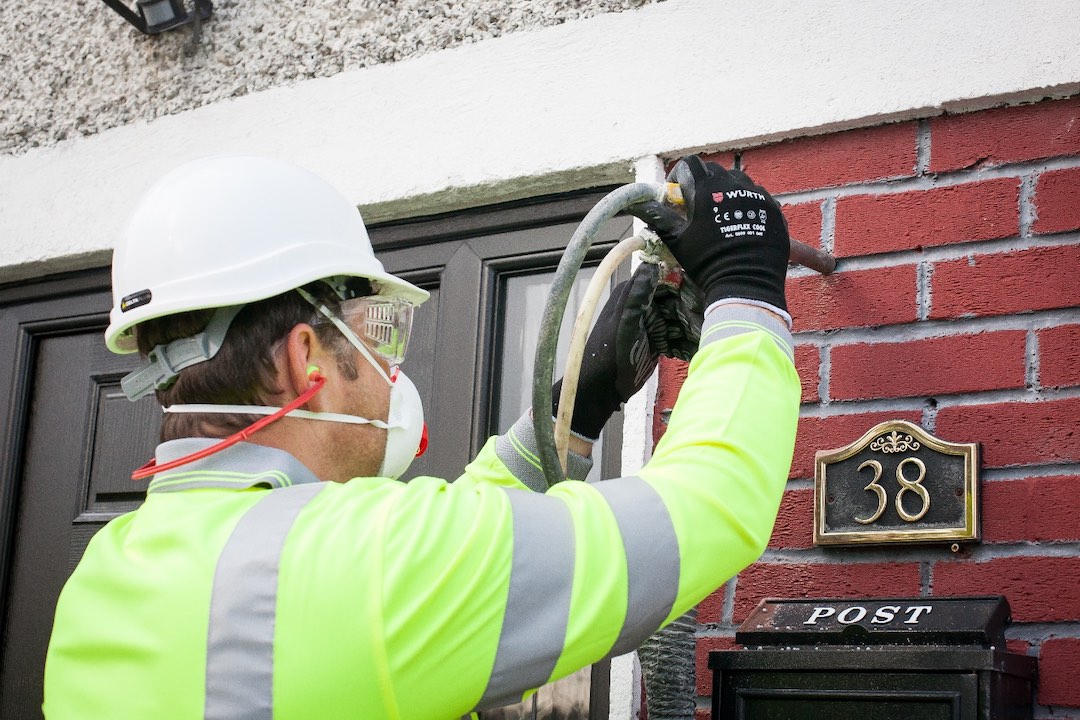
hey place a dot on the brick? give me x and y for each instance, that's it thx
(1056, 206)
(808, 365)
(928, 367)
(1039, 589)
(860, 298)
(1019, 647)
(1059, 665)
(853, 156)
(1034, 509)
(711, 609)
(1028, 433)
(828, 433)
(794, 527)
(1005, 135)
(706, 645)
(804, 222)
(727, 159)
(1042, 278)
(869, 224)
(1059, 356)
(823, 580)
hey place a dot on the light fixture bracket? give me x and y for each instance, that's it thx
(157, 16)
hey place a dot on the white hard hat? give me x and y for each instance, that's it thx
(225, 231)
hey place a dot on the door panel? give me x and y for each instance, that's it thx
(42, 549)
(81, 439)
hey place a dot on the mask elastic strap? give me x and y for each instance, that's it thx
(151, 468)
(270, 410)
(346, 331)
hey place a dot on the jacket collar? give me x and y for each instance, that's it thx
(238, 467)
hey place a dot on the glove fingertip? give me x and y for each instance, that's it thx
(740, 175)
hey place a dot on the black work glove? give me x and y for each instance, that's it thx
(734, 241)
(642, 319)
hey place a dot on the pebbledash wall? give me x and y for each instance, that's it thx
(956, 305)
(933, 147)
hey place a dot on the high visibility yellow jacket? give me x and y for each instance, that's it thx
(246, 588)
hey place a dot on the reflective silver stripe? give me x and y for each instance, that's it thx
(243, 606)
(728, 320)
(538, 602)
(652, 557)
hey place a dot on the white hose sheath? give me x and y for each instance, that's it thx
(580, 334)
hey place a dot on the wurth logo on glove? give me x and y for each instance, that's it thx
(742, 220)
(718, 197)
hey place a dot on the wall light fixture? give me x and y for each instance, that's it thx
(157, 16)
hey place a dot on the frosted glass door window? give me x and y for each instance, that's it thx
(525, 297)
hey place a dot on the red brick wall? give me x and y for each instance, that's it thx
(955, 305)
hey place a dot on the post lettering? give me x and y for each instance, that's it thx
(845, 620)
(885, 614)
(819, 612)
(916, 611)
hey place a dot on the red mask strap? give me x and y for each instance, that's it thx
(151, 468)
(423, 442)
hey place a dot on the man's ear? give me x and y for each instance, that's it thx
(302, 352)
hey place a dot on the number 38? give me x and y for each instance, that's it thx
(906, 485)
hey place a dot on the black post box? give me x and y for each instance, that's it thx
(873, 659)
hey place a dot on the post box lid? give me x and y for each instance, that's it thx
(974, 621)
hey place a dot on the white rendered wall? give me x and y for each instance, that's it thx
(76, 68)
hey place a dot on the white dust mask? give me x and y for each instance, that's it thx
(405, 436)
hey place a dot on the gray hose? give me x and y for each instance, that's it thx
(611, 205)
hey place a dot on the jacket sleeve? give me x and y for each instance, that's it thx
(546, 583)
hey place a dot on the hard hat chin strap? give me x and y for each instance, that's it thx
(164, 362)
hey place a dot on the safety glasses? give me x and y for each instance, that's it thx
(383, 323)
(374, 324)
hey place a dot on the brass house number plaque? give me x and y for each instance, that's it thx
(896, 483)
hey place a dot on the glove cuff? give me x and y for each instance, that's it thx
(756, 303)
(746, 287)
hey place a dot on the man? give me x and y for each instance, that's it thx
(277, 570)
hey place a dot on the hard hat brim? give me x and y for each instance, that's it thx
(190, 293)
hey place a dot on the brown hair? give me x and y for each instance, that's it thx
(244, 370)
